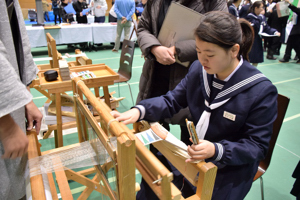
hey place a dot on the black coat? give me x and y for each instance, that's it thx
(78, 7)
(279, 23)
(296, 27)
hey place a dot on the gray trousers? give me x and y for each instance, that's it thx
(120, 28)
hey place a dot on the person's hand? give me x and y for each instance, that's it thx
(128, 117)
(201, 151)
(81, 14)
(163, 55)
(33, 116)
(14, 140)
(98, 7)
(173, 50)
(124, 20)
(277, 33)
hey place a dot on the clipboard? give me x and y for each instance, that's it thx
(69, 9)
(179, 27)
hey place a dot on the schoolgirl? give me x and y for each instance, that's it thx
(232, 104)
(257, 19)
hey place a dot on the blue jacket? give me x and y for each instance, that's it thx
(124, 8)
(240, 144)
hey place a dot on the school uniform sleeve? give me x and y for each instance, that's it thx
(231, 10)
(254, 22)
(266, 27)
(167, 105)
(255, 135)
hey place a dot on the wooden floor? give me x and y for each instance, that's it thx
(285, 76)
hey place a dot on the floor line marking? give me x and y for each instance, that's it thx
(294, 79)
(291, 118)
(288, 150)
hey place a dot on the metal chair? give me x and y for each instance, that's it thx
(125, 68)
(282, 104)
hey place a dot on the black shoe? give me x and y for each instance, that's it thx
(283, 60)
(296, 57)
(271, 57)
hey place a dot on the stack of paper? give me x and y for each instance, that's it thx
(64, 70)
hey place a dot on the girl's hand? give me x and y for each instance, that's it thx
(201, 151)
(128, 117)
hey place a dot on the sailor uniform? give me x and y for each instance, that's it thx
(256, 54)
(241, 113)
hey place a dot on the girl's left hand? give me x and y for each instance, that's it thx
(201, 151)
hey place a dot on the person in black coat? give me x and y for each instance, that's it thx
(294, 37)
(79, 6)
(257, 19)
(279, 23)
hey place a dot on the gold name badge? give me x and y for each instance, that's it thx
(229, 116)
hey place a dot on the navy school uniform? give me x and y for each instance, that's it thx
(240, 143)
(256, 54)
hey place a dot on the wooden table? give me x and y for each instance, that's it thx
(105, 76)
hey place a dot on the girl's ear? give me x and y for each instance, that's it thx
(235, 49)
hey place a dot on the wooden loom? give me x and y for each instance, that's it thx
(130, 154)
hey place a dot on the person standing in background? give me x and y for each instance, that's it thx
(56, 10)
(233, 7)
(243, 12)
(45, 10)
(294, 37)
(257, 19)
(112, 17)
(99, 8)
(79, 6)
(124, 10)
(17, 71)
(279, 23)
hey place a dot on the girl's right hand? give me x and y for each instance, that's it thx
(128, 117)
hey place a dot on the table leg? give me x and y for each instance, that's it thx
(59, 120)
(106, 95)
(96, 89)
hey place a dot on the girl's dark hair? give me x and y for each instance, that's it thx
(256, 4)
(223, 29)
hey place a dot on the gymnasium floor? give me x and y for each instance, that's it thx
(285, 76)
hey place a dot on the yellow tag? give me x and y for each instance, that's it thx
(229, 115)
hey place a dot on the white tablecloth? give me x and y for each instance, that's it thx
(106, 32)
(75, 33)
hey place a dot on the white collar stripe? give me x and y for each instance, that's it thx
(239, 85)
(207, 89)
(217, 85)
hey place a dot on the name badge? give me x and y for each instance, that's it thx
(229, 116)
